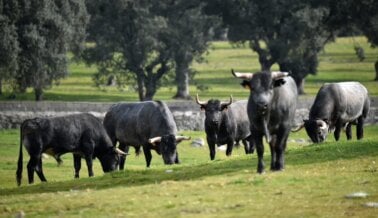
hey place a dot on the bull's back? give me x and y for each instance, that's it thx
(68, 130)
(354, 97)
(239, 113)
(285, 101)
(347, 100)
(62, 133)
(135, 123)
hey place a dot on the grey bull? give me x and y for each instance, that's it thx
(149, 124)
(337, 105)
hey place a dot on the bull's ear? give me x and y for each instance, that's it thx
(224, 107)
(278, 82)
(203, 107)
(246, 84)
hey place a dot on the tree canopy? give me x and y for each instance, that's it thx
(41, 33)
(145, 41)
(287, 32)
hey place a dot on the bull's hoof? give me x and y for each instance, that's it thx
(261, 172)
(277, 168)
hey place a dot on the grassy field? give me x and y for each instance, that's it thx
(338, 62)
(314, 184)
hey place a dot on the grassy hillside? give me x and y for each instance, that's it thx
(314, 184)
(338, 62)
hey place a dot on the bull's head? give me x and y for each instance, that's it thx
(213, 110)
(167, 146)
(261, 86)
(110, 160)
(317, 130)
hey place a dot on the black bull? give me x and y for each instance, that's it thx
(81, 134)
(271, 110)
(149, 124)
(226, 123)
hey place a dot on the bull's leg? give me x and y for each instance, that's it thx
(280, 148)
(77, 164)
(177, 161)
(256, 140)
(211, 148)
(89, 161)
(32, 164)
(39, 171)
(122, 158)
(230, 145)
(348, 131)
(337, 130)
(273, 152)
(147, 155)
(247, 148)
(251, 147)
(360, 127)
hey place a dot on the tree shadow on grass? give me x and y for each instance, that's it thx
(312, 154)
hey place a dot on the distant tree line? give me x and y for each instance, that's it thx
(147, 44)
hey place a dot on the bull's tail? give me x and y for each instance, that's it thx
(19, 163)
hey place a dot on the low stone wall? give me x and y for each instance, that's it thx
(186, 113)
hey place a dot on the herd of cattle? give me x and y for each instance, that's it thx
(268, 113)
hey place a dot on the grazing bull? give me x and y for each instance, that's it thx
(337, 105)
(271, 109)
(81, 134)
(149, 124)
(225, 123)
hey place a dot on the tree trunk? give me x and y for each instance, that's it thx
(376, 71)
(300, 85)
(38, 94)
(141, 88)
(150, 89)
(182, 80)
(265, 61)
(1, 86)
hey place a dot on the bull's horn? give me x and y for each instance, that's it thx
(298, 128)
(279, 74)
(242, 75)
(321, 124)
(228, 103)
(154, 140)
(180, 138)
(120, 152)
(202, 103)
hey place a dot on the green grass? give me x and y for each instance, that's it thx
(338, 62)
(314, 183)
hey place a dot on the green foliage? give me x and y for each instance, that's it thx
(283, 32)
(336, 63)
(126, 36)
(147, 39)
(361, 15)
(39, 34)
(315, 182)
